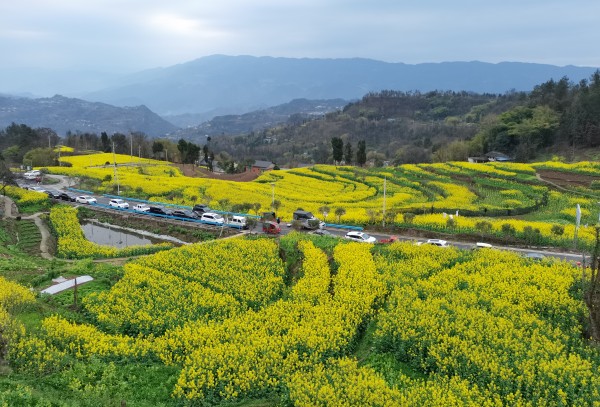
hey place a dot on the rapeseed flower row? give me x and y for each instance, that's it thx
(358, 191)
(511, 329)
(72, 244)
(24, 196)
(254, 353)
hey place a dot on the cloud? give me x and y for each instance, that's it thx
(126, 35)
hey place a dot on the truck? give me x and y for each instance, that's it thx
(307, 220)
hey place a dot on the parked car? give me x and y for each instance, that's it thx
(308, 220)
(200, 209)
(159, 210)
(213, 219)
(360, 237)
(535, 256)
(321, 232)
(53, 193)
(86, 199)
(271, 228)
(482, 245)
(391, 239)
(184, 213)
(434, 242)
(37, 189)
(141, 208)
(118, 203)
(67, 196)
(33, 174)
(238, 222)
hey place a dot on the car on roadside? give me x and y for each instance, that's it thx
(53, 193)
(271, 228)
(37, 189)
(360, 237)
(184, 214)
(535, 256)
(86, 199)
(435, 242)
(482, 245)
(159, 210)
(33, 174)
(200, 209)
(118, 203)
(321, 232)
(213, 219)
(141, 208)
(67, 196)
(238, 222)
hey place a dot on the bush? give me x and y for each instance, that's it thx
(450, 223)
(484, 226)
(408, 217)
(532, 235)
(508, 229)
(558, 230)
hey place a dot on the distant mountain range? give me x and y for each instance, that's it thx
(219, 84)
(62, 114)
(294, 112)
(234, 94)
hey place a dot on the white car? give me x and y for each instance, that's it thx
(33, 174)
(141, 208)
(360, 237)
(238, 222)
(86, 199)
(435, 242)
(37, 189)
(212, 218)
(119, 204)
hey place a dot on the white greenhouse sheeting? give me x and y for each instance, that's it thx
(56, 288)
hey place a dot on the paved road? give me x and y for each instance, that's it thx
(65, 182)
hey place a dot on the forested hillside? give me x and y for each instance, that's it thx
(409, 127)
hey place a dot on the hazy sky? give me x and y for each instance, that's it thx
(129, 35)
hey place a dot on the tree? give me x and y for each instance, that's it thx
(339, 212)
(337, 145)
(324, 210)
(348, 153)
(256, 207)
(361, 153)
(276, 204)
(6, 176)
(104, 142)
(157, 147)
(40, 157)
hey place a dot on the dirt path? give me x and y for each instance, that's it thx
(560, 187)
(192, 171)
(45, 232)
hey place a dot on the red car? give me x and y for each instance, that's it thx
(391, 239)
(271, 228)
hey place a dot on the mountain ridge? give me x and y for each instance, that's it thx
(240, 84)
(63, 114)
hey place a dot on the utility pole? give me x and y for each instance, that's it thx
(384, 190)
(131, 145)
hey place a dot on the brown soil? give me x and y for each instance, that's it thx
(567, 179)
(190, 170)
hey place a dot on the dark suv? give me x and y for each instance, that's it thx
(159, 210)
(201, 209)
